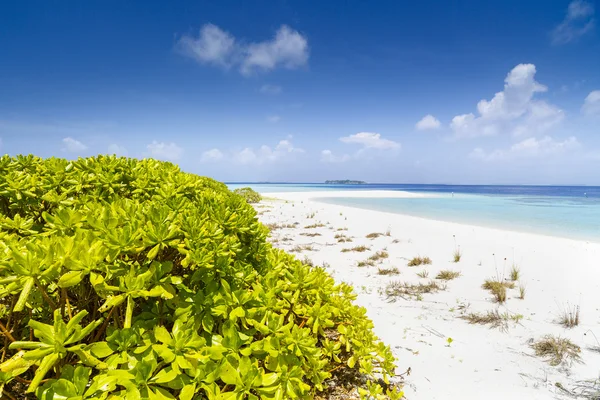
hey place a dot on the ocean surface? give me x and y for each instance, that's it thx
(564, 211)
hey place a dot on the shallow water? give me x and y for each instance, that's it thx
(564, 211)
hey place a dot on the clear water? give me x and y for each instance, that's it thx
(565, 211)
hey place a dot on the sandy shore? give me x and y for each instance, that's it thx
(480, 362)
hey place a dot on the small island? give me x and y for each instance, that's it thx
(345, 182)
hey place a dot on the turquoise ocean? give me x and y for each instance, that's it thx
(563, 211)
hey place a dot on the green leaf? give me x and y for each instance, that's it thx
(20, 304)
(71, 278)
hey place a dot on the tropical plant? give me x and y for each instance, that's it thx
(249, 194)
(131, 279)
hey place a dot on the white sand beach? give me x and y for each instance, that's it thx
(480, 362)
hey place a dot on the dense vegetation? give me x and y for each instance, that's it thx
(248, 194)
(131, 279)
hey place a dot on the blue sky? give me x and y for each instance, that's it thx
(388, 91)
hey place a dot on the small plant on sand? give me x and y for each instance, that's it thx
(569, 316)
(396, 241)
(492, 318)
(358, 249)
(341, 229)
(404, 289)
(342, 238)
(311, 215)
(302, 247)
(556, 350)
(447, 275)
(274, 227)
(365, 263)
(423, 274)
(388, 271)
(457, 255)
(388, 232)
(313, 226)
(515, 273)
(310, 234)
(308, 261)
(498, 288)
(416, 261)
(522, 292)
(374, 235)
(380, 255)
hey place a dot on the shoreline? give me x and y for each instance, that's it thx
(555, 271)
(316, 196)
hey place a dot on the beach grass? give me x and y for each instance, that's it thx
(388, 271)
(556, 350)
(416, 261)
(447, 275)
(358, 249)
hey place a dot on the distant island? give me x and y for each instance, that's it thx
(345, 182)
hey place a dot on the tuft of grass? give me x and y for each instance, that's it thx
(416, 261)
(341, 229)
(380, 255)
(341, 238)
(403, 289)
(396, 241)
(492, 318)
(274, 227)
(311, 215)
(310, 234)
(388, 232)
(308, 261)
(388, 271)
(447, 275)
(314, 226)
(302, 247)
(556, 350)
(423, 274)
(569, 316)
(366, 263)
(498, 288)
(358, 249)
(374, 235)
(522, 292)
(287, 239)
(515, 273)
(457, 255)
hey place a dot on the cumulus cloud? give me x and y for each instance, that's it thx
(211, 155)
(266, 154)
(514, 110)
(273, 118)
(428, 122)
(214, 46)
(165, 151)
(370, 140)
(591, 104)
(578, 21)
(328, 157)
(73, 146)
(270, 89)
(531, 147)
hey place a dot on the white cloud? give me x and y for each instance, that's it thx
(329, 157)
(288, 49)
(513, 110)
(428, 122)
(578, 21)
(273, 118)
(371, 140)
(591, 104)
(270, 89)
(531, 147)
(211, 155)
(117, 150)
(213, 46)
(266, 154)
(165, 151)
(73, 146)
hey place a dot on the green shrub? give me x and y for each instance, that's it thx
(248, 194)
(131, 279)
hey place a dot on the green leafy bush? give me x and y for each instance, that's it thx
(131, 279)
(250, 195)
